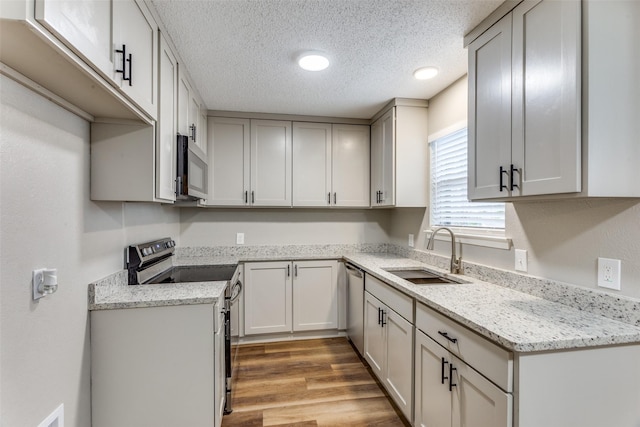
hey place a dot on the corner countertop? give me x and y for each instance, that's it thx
(515, 320)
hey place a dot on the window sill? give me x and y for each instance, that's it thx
(476, 237)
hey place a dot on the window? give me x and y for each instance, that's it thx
(449, 204)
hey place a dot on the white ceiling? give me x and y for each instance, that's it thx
(241, 54)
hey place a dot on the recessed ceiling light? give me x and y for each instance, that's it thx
(313, 61)
(425, 73)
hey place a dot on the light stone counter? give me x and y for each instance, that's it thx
(113, 292)
(518, 321)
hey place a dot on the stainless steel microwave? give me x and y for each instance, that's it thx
(192, 179)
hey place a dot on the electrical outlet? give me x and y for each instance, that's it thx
(609, 271)
(521, 260)
(240, 238)
(411, 243)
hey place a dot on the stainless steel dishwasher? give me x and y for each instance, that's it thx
(355, 306)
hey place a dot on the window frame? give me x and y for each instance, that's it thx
(477, 236)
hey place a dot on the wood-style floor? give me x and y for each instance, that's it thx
(307, 383)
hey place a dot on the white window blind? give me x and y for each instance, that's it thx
(449, 204)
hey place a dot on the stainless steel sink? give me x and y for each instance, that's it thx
(420, 276)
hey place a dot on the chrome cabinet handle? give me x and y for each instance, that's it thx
(253, 197)
(246, 197)
(335, 198)
(329, 198)
(383, 321)
(295, 270)
(288, 271)
(379, 315)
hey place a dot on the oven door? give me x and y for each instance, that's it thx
(192, 177)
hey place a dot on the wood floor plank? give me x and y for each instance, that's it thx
(320, 382)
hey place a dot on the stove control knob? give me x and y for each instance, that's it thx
(172, 243)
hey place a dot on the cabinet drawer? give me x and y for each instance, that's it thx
(395, 300)
(487, 358)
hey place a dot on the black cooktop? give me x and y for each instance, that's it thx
(195, 273)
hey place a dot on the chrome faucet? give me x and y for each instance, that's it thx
(456, 263)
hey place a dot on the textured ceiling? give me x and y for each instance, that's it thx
(241, 54)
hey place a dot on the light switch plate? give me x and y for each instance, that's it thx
(609, 271)
(521, 260)
(411, 242)
(240, 238)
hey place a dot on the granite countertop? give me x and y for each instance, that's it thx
(515, 320)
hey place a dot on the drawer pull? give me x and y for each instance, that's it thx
(442, 375)
(379, 315)
(451, 384)
(446, 335)
(383, 321)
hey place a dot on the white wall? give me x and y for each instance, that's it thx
(218, 227)
(47, 220)
(563, 238)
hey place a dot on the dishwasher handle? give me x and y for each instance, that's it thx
(354, 270)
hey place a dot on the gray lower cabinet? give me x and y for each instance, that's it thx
(290, 296)
(157, 366)
(463, 379)
(388, 340)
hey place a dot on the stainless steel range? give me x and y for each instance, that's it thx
(152, 263)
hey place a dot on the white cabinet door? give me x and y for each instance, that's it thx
(350, 165)
(315, 295)
(398, 377)
(477, 401)
(229, 161)
(85, 26)
(525, 103)
(311, 164)
(546, 138)
(203, 142)
(270, 163)
(167, 122)
(184, 102)
(490, 112)
(383, 160)
(374, 335)
(432, 396)
(136, 34)
(267, 297)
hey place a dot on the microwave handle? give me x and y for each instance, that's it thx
(179, 186)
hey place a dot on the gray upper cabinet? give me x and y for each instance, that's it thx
(524, 103)
(250, 162)
(330, 165)
(400, 155)
(554, 103)
(119, 39)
